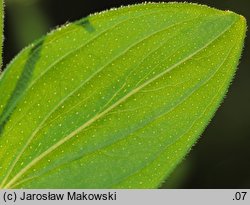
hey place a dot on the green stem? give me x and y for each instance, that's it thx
(1, 30)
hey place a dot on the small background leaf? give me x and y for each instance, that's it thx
(117, 99)
(27, 21)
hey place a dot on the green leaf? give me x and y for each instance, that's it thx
(115, 100)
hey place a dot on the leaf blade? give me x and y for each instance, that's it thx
(211, 26)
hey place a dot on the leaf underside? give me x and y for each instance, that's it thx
(115, 100)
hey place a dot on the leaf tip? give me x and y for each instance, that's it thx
(243, 21)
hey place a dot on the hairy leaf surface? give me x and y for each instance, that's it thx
(117, 99)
